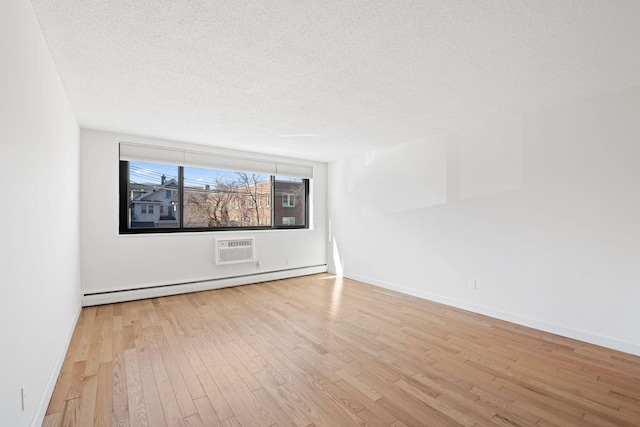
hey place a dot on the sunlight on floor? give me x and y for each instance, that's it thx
(336, 297)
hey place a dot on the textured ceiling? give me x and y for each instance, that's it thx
(319, 79)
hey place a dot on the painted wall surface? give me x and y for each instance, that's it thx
(40, 260)
(541, 209)
(112, 261)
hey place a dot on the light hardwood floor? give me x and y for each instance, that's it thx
(320, 351)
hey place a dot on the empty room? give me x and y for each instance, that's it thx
(320, 213)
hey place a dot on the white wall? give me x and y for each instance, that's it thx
(115, 262)
(40, 267)
(541, 209)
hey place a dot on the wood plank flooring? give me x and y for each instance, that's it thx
(323, 351)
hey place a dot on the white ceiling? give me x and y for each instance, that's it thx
(319, 79)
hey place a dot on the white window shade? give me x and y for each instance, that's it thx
(297, 171)
(152, 154)
(149, 154)
(240, 164)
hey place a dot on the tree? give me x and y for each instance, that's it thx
(229, 200)
(209, 206)
(253, 187)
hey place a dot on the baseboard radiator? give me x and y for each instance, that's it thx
(153, 291)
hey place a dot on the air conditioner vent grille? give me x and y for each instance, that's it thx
(233, 251)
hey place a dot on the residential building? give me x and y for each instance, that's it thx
(156, 207)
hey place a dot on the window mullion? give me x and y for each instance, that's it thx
(272, 201)
(181, 197)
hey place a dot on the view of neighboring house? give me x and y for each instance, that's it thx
(154, 207)
(290, 205)
(225, 205)
(228, 205)
(245, 205)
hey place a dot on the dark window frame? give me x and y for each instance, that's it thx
(124, 209)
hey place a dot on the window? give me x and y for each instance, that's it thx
(207, 199)
(216, 199)
(289, 220)
(288, 200)
(293, 193)
(146, 182)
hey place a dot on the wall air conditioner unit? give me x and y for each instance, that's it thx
(234, 251)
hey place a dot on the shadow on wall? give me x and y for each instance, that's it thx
(482, 159)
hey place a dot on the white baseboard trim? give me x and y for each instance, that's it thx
(588, 337)
(161, 290)
(41, 411)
